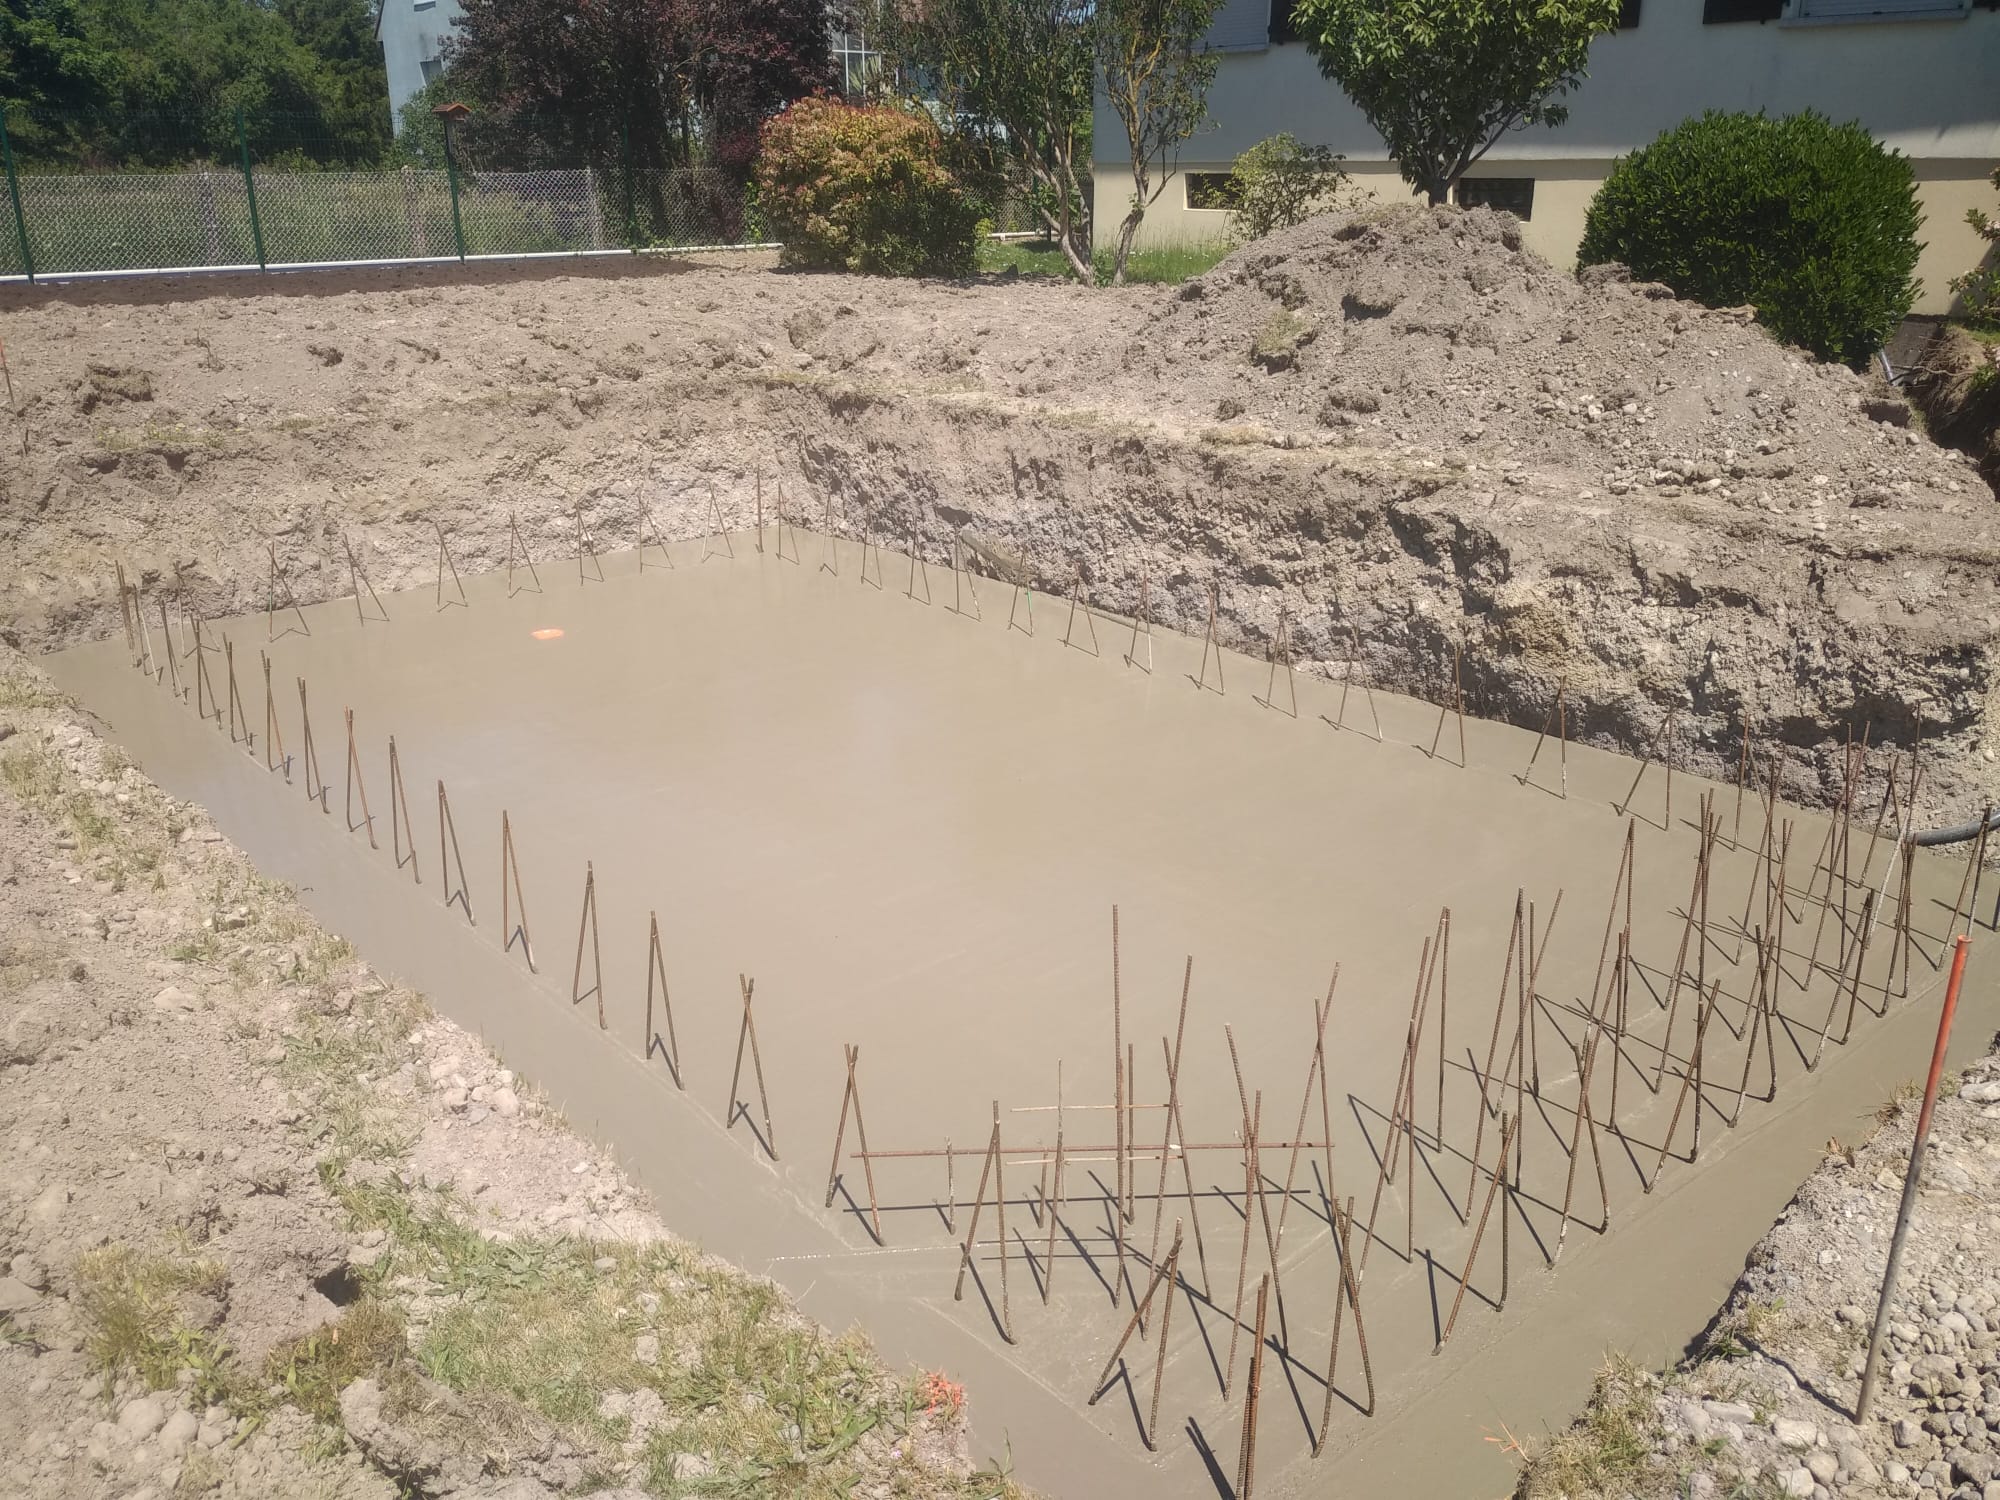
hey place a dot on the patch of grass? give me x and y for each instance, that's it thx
(28, 690)
(365, 1341)
(330, 1063)
(130, 1301)
(1605, 1451)
(1158, 265)
(1741, 1332)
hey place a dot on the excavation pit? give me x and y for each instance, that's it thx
(907, 814)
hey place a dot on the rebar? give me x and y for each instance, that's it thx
(354, 779)
(748, 1029)
(1493, 1188)
(1246, 1463)
(656, 969)
(721, 531)
(587, 920)
(445, 561)
(852, 1096)
(399, 817)
(1209, 642)
(511, 893)
(448, 831)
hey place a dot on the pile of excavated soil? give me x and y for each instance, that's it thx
(1436, 328)
(1398, 432)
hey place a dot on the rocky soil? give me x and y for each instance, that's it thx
(268, 1227)
(1398, 431)
(1765, 1406)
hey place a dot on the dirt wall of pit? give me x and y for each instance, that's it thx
(1744, 538)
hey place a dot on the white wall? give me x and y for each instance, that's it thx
(412, 31)
(1928, 88)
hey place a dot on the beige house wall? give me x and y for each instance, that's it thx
(1563, 190)
(1923, 87)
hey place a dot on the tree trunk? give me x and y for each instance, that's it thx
(1439, 195)
(1126, 232)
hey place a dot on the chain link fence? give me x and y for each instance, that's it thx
(285, 210)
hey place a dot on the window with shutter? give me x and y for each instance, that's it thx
(1877, 10)
(1241, 26)
(1628, 15)
(1282, 29)
(1718, 12)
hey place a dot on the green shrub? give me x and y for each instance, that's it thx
(863, 188)
(1978, 290)
(1278, 183)
(1813, 224)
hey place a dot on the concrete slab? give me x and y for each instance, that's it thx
(910, 825)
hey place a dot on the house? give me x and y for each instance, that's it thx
(1918, 73)
(412, 34)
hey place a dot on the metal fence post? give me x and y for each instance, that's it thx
(14, 192)
(451, 177)
(250, 186)
(631, 204)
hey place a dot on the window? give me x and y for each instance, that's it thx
(425, 5)
(1213, 190)
(1877, 10)
(1241, 26)
(1516, 195)
(857, 62)
(1719, 12)
(1282, 29)
(1628, 15)
(432, 66)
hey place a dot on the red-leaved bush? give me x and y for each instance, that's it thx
(863, 188)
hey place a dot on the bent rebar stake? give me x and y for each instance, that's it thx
(1346, 1295)
(310, 756)
(511, 895)
(125, 608)
(867, 546)
(516, 545)
(652, 533)
(784, 529)
(1281, 648)
(1246, 1460)
(1347, 684)
(399, 817)
(237, 712)
(1013, 607)
(280, 580)
(656, 970)
(1209, 642)
(203, 687)
(1458, 700)
(353, 780)
(1146, 614)
(583, 546)
(960, 572)
(274, 738)
(445, 561)
(829, 547)
(708, 549)
(1664, 733)
(995, 1164)
(448, 831)
(918, 570)
(748, 1030)
(588, 920)
(1164, 1274)
(358, 577)
(1251, 1123)
(1052, 1208)
(852, 1095)
(1558, 715)
(1494, 1185)
(1089, 616)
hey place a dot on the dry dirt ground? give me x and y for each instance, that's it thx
(269, 1228)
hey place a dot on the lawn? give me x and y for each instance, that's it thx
(1168, 264)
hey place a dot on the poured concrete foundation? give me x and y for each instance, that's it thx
(909, 823)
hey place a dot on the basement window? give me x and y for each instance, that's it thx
(1628, 15)
(1515, 195)
(1721, 12)
(1877, 10)
(1213, 190)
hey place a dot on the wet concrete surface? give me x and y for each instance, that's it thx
(910, 825)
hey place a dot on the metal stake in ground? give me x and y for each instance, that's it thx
(868, 546)
(708, 549)
(280, 582)
(1347, 1294)
(125, 609)
(1251, 1123)
(584, 547)
(656, 973)
(1163, 1275)
(852, 1096)
(1558, 715)
(354, 780)
(917, 571)
(1457, 700)
(445, 562)
(1664, 733)
(516, 547)
(588, 922)
(990, 1168)
(747, 1032)
(1118, 1106)
(784, 530)
(448, 835)
(1347, 682)
(1493, 1188)
(652, 534)
(357, 576)
(1052, 1208)
(1912, 1176)
(1690, 1079)
(1246, 1461)
(274, 739)
(1209, 643)
(1281, 650)
(237, 713)
(511, 895)
(311, 756)
(1145, 614)
(1076, 598)
(399, 817)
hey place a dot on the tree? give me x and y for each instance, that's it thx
(354, 91)
(1279, 183)
(1012, 81)
(666, 81)
(53, 74)
(1978, 290)
(1156, 76)
(1442, 80)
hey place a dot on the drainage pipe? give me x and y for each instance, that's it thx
(1957, 834)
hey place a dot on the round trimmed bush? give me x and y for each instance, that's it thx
(863, 188)
(1813, 224)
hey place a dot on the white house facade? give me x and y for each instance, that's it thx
(413, 34)
(1922, 75)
